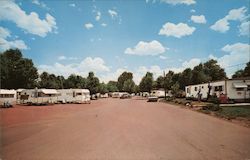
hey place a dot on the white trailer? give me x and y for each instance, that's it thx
(38, 96)
(160, 93)
(234, 89)
(74, 96)
(7, 97)
(115, 95)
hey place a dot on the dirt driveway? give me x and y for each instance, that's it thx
(110, 129)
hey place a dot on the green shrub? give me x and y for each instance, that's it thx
(212, 107)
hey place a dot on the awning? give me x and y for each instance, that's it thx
(239, 85)
(49, 91)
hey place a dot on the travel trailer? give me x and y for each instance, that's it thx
(38, 96)
(160, 93)
(18, 96)
(237, 90)
(105, 95)
(7, 97)
(73, 96)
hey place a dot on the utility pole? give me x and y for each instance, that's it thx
(164, 84)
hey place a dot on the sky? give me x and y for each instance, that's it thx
(109, 37)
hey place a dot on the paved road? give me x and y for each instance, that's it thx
(126, 129)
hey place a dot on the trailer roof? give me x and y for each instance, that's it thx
(7, 91)
(49, 91)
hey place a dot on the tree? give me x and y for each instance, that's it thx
(247, 70)
(168, 81)
(112, 86)
(175, 88)
(198, 75)
(102, 88)
(122, 78)
(75, 81)
(129, 86)
(238, 74)
(146, 83)
(213, 70)
(16, 71)
(185, 78)
(92, 83)
(243, 72)
(159, 82)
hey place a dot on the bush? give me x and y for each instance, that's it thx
(214, 99)
(212, 107)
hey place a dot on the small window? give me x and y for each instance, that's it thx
(202, 87)
(248, 87)
(218, 88)
(239, 89)
(78, 94)
(188, 90)
(195, 88)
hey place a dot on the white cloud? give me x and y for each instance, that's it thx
(104, 24)
(199, 19)
(112, 75)
(67, 58)
(30, 23)
(162, 57)
(146, 48)
(222, 25)
(112, 13)
(4, 32)
(237, 14)
(192, 11)
(40, 3)
(176, 30)
(191, 63)
(238, 53)
(211, 56)
(5, 44)
(95, 64)
(61, 58)
(89, 25)
(176, 2)
(72, 5)
(98, 16)
(244, 29)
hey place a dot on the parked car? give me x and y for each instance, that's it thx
(152, 99)
(124, 96)
(93, 97)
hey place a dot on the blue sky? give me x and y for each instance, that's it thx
(109, 37)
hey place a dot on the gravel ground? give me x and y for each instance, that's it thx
(110, 129)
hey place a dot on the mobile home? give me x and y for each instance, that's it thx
(7, 97)
(232, 89)
(73, 96)
(160, 93)
(38, 96)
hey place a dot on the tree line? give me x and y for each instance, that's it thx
(19, 72)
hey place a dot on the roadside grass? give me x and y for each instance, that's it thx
(231, 112)
(227, 112)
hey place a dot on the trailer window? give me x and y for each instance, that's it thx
(6, 95)
(195, 88)
(188, 90)
(248, 87)
(218, 88)
(78, 94)
(239, 89)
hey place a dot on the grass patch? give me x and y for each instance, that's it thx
(234, 112)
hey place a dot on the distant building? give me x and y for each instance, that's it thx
(232, 89)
